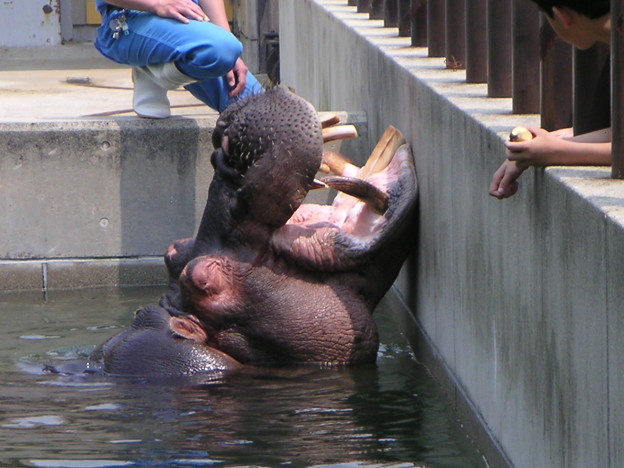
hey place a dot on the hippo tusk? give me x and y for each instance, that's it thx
(338, 164)
(328, 119)
(382, 154)
(362, 190)
(318, 184)
(339, 132)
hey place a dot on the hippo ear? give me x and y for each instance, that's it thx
(189, 328)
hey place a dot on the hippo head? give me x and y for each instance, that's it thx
(268, 149)
(271, 280)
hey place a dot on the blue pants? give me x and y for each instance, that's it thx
(199, 49)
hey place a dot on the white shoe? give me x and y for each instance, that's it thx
(150, 89)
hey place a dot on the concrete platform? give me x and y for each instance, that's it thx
(70, 82)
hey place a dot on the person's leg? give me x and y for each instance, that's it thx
(171, 54)
(216, 91)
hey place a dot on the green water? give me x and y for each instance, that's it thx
(391, 414)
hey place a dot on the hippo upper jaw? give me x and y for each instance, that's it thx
(268, 150)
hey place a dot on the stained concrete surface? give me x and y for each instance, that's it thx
(73, 81)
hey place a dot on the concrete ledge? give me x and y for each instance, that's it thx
(519, 300)
(101, 188)
(46, 275)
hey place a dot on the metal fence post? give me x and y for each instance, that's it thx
(419, 23)
(526, 59)
(499, 48)
(391, 17)
(455, 34)
(436, 17)
(617, 91)
(377, 9)
(405, 18)
(476, 41)
(363, 6)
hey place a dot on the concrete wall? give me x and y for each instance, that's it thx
(112, 190)
(520, 300)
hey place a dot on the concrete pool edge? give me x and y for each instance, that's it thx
(57, 274)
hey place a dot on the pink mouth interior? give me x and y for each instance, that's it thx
(347, 213)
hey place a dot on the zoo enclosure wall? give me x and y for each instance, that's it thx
(518, 301)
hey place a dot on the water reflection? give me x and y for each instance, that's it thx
(390, 414)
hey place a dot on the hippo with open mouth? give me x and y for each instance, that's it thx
(269, 280)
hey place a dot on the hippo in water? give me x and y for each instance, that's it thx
(269, 280)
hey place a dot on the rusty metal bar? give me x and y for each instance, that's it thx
(377, 9)
(363, 6)
(526, 59)
(476, 41)
(404, 13)
(499, 48)
(617, 96)
(436, 19)
(391, 10)
(455, 34)
(419, 23)
(556, 99)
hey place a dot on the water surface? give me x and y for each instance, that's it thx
(391, 414)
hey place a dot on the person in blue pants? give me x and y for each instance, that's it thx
(173, 43)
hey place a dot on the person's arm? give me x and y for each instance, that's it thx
(548, 149)
(181, 10)
(215, 9)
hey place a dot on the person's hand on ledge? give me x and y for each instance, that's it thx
(505, 180)
(557, 148)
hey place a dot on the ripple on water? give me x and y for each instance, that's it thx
(31, 422)
(79, 463)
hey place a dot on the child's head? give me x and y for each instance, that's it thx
(590, 8)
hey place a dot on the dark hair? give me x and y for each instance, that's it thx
(591, 8)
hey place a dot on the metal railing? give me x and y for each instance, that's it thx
(509, 45)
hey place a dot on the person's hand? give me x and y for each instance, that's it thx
(543, 150)
(505, 180)
(237, 78)
(181, 10)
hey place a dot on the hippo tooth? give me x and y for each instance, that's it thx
(328, 119)
(382, 154)
(318, 184)
(362, 190)
(338, 164)
(339, 132)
